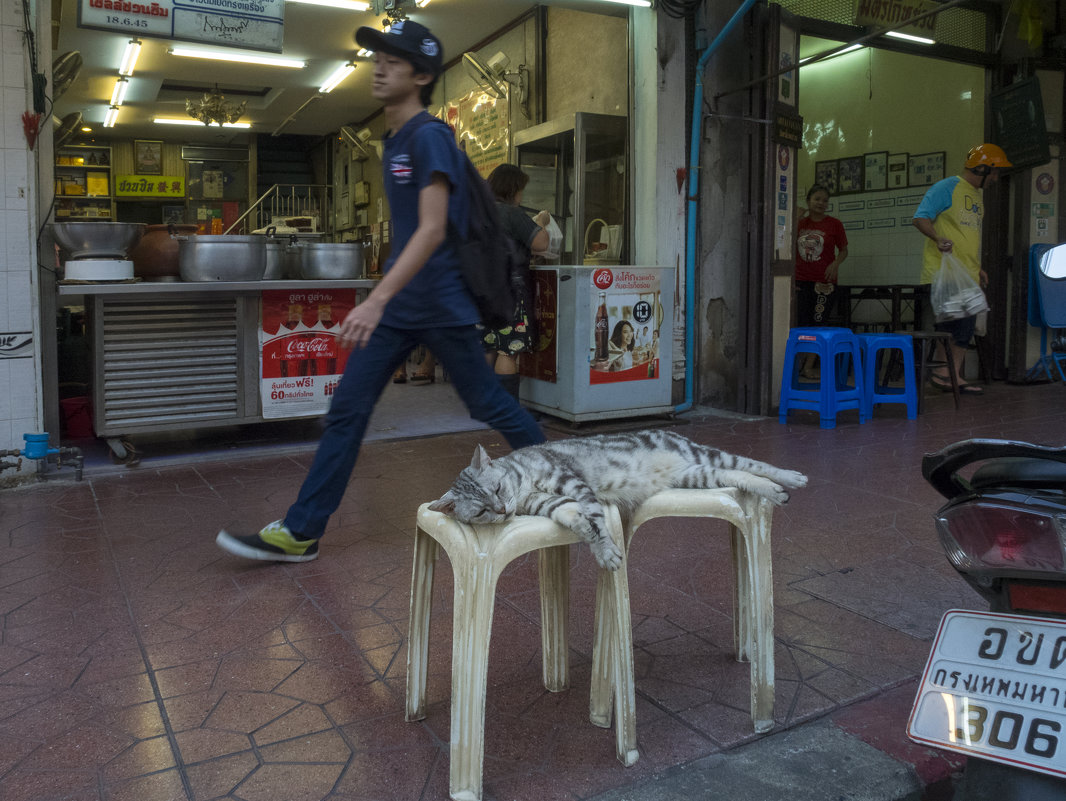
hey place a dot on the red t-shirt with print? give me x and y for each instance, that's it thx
(817, 244)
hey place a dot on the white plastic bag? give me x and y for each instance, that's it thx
(954, 294)
(555, 242)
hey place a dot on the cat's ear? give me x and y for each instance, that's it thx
(481, 459)
(444, 504)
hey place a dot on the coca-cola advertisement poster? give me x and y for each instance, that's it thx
(627, 315)
(301, 360)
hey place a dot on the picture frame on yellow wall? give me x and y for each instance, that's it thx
(875, 171)
(925, 169)
(849, 175)
(825, 174)
(897, 170)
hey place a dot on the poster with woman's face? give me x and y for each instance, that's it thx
(626, 317)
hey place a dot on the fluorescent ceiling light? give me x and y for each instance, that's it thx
(243, 58)
(118, 94)
(851, 49)
(364, 53)
(191, 121)
(129, 57)
(421, 3)
(350, 5)
(909, 38)
(641, 3)
(111, 117)
(338, 75)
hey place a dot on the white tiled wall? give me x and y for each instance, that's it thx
(883, 246)
(20, 376)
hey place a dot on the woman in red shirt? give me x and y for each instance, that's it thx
(821, 247)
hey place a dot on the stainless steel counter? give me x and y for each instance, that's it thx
(175, 355)
(188, 287)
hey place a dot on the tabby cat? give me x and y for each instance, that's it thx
(569, 479)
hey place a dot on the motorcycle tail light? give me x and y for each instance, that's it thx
(1001, 537)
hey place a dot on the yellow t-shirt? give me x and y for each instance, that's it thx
(956, 209)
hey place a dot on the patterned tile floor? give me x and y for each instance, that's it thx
(138, 662)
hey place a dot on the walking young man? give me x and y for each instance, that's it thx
(421, 299)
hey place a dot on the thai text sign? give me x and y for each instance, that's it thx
(246, 24)
(149, 186)
(890, 13)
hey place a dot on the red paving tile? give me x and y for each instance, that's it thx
(139, 662)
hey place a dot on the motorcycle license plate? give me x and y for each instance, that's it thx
(995, 687)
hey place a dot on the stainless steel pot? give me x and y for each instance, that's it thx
(222, 257)
(329, 261)
(278, 255)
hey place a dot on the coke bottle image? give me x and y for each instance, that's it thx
(325, 319)
(602, 332)
(293, 320)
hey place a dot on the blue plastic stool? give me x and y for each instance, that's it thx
(838, 352)
(875, 392)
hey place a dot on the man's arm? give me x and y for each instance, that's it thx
(432, 228)
(925, 225)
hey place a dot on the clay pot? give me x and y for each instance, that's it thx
(155, 257)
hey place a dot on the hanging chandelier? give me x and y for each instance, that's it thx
(213, 108)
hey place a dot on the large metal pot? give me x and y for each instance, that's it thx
(328, 261)
(277, 254)
(222, 257)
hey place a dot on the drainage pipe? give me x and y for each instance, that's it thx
(693, 204)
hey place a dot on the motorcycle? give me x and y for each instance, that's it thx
(994, 687)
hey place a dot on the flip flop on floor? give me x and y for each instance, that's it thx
(936, 382)
(945, 386)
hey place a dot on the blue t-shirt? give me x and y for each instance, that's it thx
(436, 296)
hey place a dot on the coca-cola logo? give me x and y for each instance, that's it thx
(318, 345)
(602, 279)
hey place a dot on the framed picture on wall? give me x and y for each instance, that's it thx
(875, 171)
(849, 175)
(825, 173)
(925, 169)
(897, 170)
(174, 215)
(148, 156)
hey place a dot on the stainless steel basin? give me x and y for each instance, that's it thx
(97, 240)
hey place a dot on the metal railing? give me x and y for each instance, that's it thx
(292, 201)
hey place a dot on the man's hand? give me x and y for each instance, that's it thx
(360, 322)
(944, 245)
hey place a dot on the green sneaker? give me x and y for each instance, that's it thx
(273, 543)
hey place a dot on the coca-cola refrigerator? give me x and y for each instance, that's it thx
(604, 342)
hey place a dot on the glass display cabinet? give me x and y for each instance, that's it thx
(577, 167)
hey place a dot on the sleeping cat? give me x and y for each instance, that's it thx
(567, 481)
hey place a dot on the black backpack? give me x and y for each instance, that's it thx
(492, 270)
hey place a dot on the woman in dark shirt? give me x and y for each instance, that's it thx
(504, 345)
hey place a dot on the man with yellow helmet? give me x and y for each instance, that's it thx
(950, 217)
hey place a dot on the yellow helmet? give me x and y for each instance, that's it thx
(988, 155)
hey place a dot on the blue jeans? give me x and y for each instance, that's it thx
(368, 371)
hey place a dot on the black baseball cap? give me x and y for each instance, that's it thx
(408, 40)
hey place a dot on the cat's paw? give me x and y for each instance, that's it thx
(607, 555)
(790, 478)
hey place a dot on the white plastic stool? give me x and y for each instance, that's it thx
(750, 519)
(478, 554)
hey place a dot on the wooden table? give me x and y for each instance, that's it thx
(895, 295)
